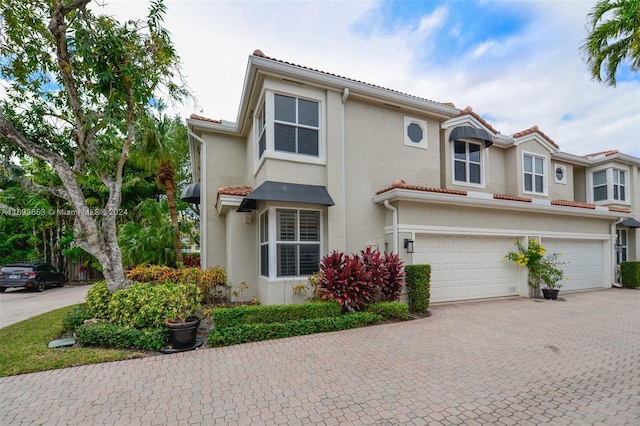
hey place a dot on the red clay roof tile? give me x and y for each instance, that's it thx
(619, 209)
(469, 111)
(260, 54)
(568, 203)
(400, 184)
(511, 198)
(604, 153)
(240, 191)
(535, 129)
(201, 118)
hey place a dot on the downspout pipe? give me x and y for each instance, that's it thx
(395, 225)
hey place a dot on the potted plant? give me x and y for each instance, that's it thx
(544, 271)
(182, 321)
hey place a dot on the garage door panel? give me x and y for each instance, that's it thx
(583, 262)
(465, 267)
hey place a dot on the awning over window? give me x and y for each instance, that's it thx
(468, 132)
(630, 222)
(286, 192)
(191, 194)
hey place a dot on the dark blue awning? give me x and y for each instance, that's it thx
(468, 132)
(630, 222)
(286, 192)
(191, 194)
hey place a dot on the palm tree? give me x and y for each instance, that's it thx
(159, 150)
(614, 38)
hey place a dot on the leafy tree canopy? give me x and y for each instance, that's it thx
(613, 40)
(78, 84)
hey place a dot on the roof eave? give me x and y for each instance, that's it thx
(399, 194)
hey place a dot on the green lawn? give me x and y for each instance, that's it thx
(24, 347)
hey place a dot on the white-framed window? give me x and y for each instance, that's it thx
(609, 185)
(619, 185)
(560, 174)
(296, 125)
(621, 245)
(467, 162)
(415, 132)
(534, 176)
(291, 247)
(288, 127)
(261, 129)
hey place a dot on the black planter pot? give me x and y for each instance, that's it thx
(550, 293)
(182, 335)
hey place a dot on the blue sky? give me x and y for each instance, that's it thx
(516, 63)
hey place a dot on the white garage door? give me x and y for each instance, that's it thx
(584, 262)
(464, 268)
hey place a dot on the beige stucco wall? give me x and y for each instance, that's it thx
(561, 191)
(375, 156)
(519, 223)
(223, 165)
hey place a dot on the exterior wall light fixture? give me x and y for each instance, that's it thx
(408, 245)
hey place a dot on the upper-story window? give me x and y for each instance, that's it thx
(261, 128)
(296, 125)
(609, 185)
(467, 162)
(534, 174)
(619, 185)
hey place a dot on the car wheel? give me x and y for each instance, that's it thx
(41, 285)
(61, 283)
(3, 289)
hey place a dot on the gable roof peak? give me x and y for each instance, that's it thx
(469, 111)
(536, 129)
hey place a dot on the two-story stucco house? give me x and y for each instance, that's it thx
(316, 162)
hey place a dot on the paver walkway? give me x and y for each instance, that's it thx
(516, 361)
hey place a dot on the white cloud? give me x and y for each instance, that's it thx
(534, 77)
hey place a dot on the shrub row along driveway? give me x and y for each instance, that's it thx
(516, 361)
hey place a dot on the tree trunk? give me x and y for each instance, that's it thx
(166, 175)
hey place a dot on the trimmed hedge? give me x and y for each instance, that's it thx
(418, 287)
(389, 310)
(231, 317)
(266, 331)
(112, 336)
(75, 317)
(97, 299)
(630, 274)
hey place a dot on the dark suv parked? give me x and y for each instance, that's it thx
(32, 275)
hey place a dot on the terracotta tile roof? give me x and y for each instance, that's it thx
(201, 118)
(240, 191)
(568, 203)
(603, 153)
(400, 184)
(620, 209)
(535, 129)
(469, 111)
(511, 198)
(260, 54)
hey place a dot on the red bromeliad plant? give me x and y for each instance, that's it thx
(354, 281)
(392, 288)
(346, 280)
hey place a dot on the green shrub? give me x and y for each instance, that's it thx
(75, 317)
(389, 310)
(230, 317)
(266, 331)
(418, 287)
(146, 305)
(97, 299)
(109, 335)
(211, 282)
(630, 274)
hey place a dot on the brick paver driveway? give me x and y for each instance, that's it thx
(516, 361)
